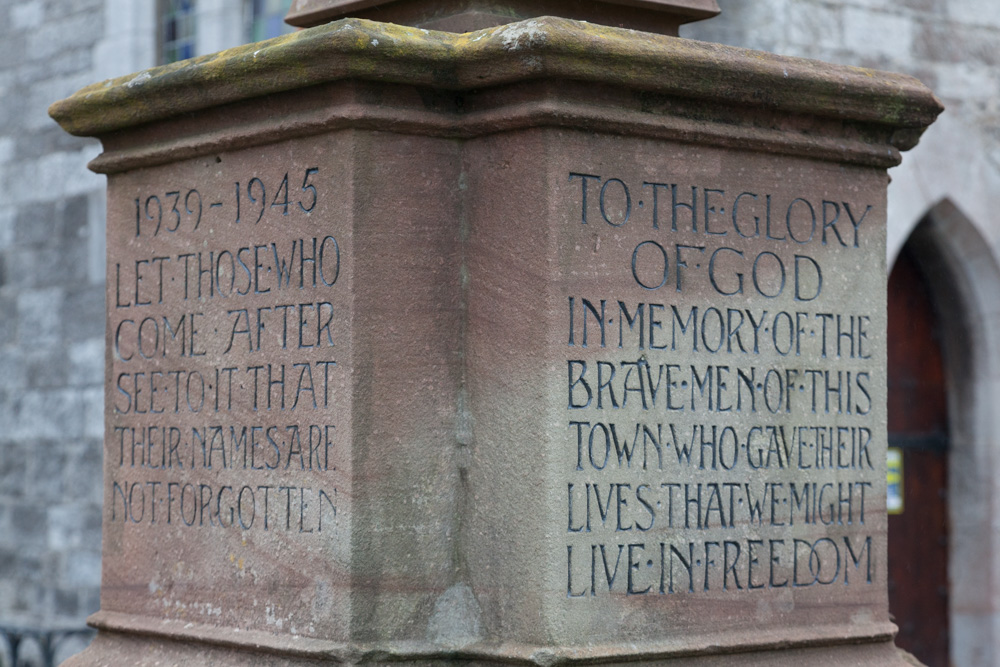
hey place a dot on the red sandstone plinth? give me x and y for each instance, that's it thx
(549, 343)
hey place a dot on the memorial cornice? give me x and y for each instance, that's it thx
(678, 87)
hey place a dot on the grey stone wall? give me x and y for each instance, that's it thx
(52, 271)
(52, 293)
(51, 320)
(953, 46)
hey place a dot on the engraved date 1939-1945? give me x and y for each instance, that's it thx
(179, 209)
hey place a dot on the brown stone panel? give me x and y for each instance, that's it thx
(176, 324)
(510, 249)
(526, 448)
(406, 381)
(169, 556)
(391, 463)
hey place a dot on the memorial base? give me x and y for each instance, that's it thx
(118, 648)
(550, 344)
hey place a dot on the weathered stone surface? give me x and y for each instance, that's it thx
(548, 434)
(547, 49)
(520, 252)
(662, 16)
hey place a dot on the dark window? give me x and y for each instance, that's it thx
(177, 30)
(268, 19)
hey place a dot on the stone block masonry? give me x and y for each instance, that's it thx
(51, 323)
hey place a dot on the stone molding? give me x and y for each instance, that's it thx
(662, 16)
(503, 653)
(845, 113)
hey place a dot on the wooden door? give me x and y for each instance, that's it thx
(918, 425)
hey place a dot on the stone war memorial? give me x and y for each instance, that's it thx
(498, 333)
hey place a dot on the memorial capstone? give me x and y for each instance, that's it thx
(547, 343)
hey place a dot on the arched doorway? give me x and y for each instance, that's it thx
(959, 268)
(918, 434)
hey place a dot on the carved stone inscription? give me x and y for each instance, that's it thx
(225, 327)
(721, 399)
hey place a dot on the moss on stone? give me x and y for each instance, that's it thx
(538, 48)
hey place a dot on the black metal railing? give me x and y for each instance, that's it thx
(37, 647)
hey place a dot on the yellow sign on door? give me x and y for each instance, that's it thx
(894, 481)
